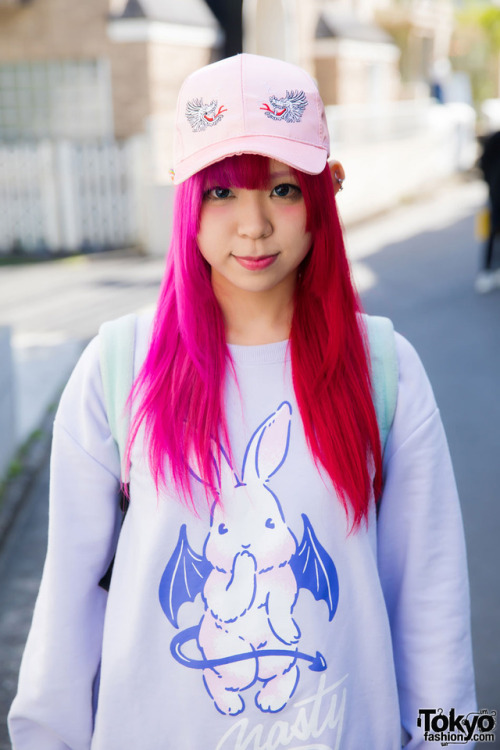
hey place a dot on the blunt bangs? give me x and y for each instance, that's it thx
(250, 171)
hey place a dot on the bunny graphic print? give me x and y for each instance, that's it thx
(249, 576)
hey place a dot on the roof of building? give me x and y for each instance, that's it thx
(183, 13)
(344, 25)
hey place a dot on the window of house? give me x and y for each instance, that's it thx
(55, 99)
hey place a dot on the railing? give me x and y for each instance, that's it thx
(70, 196)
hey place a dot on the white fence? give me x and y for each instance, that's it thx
(71, 196)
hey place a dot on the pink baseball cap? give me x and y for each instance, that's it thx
(249, 104)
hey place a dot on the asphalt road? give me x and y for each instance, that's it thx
(417, 266)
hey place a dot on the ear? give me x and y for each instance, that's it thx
(338, 174)
(227, 478)
(268, 446)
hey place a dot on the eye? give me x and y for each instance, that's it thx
(270, 523)
(223, 528)
(217, 193)
(286, 190)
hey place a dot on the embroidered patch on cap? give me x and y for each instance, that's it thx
(202, 116)
(289, 108)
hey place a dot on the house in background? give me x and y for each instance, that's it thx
(358, 50)
(353, 60)
(97, 68)
(80, 84)
(88, 92)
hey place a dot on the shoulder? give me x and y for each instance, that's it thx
(124, 339)
(415, 400)
(84, 390)
(412, 377)
(403, 393)
(83, 381)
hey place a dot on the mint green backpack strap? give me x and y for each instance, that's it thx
(385, 375)
(117, 348)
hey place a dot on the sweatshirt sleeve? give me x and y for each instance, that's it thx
(422, 558)
(53, 709)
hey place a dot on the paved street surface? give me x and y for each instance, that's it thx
(55, 308)
(417, 266)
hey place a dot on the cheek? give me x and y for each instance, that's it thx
(202, 238)
(275, 550)
(219, 550)
(205, 241)
(213, 233)
(301, 242)
(294, 220)
(307, 242)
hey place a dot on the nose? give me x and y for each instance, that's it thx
(254, 221)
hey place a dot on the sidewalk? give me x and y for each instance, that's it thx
(52, 310)
(40, 372)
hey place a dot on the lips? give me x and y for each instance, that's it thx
(256, 263)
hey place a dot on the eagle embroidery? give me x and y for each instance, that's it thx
(289, 108)
(201, 116)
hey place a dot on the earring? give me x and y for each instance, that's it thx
(340, 181)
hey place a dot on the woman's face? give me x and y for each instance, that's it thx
(254, 240)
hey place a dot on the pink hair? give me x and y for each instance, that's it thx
(180, 386)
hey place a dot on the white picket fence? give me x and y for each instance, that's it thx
(70, 196)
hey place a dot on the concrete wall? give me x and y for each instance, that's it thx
(7, 416)
(65, 29)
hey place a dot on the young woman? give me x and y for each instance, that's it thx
(285, 577)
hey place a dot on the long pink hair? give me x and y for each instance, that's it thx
(179, 389)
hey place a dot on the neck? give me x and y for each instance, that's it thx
(253, 318)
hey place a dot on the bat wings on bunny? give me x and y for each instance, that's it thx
(249, 578)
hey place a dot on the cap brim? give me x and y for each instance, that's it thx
(302, 156)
